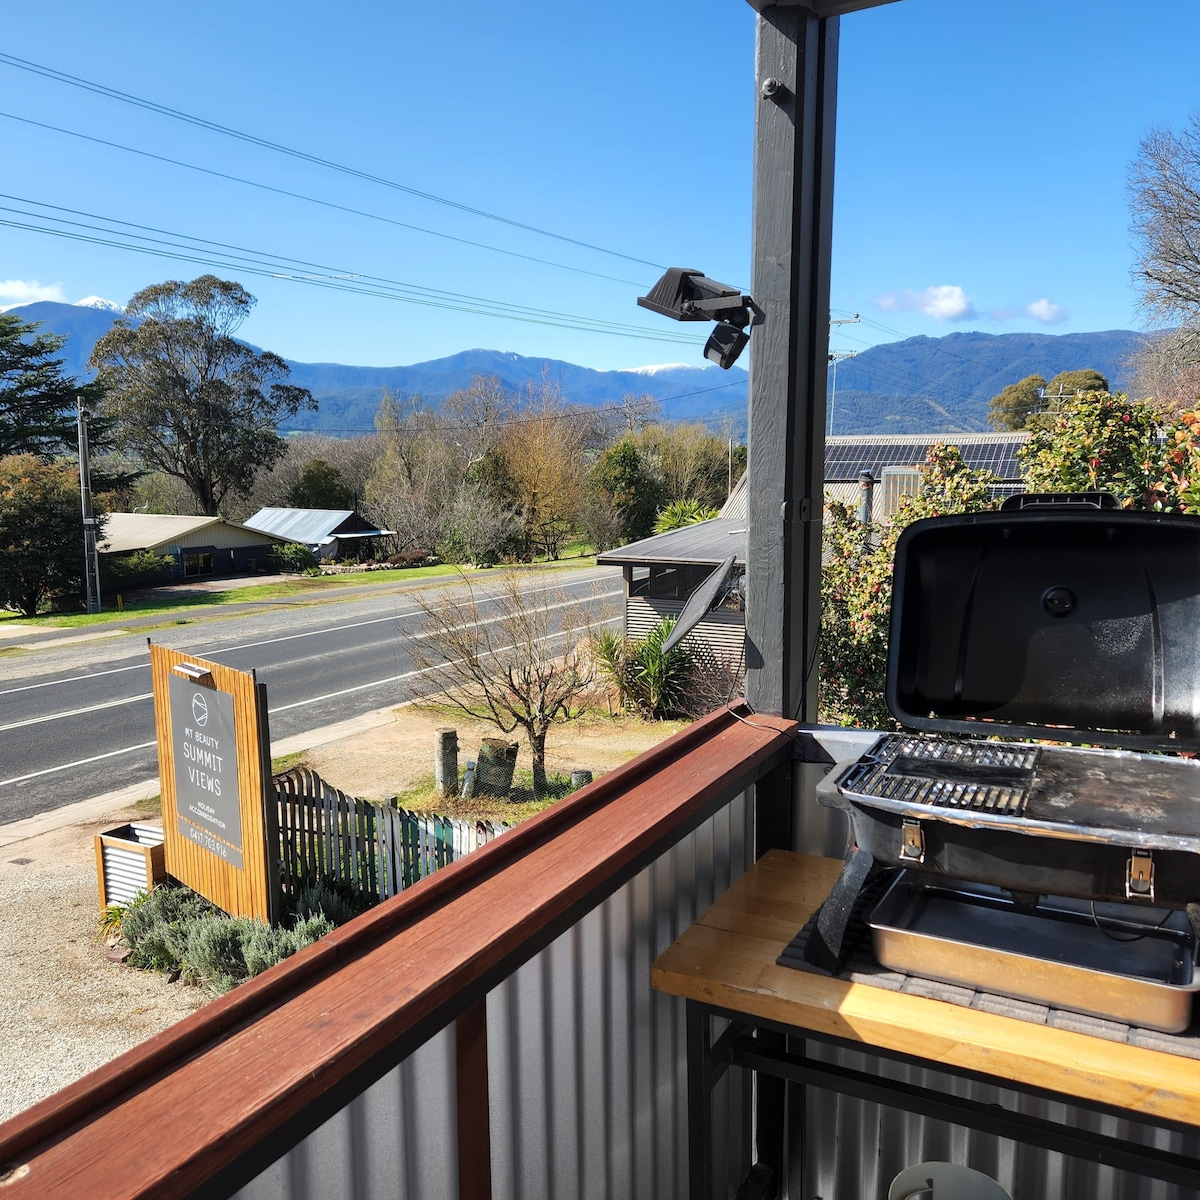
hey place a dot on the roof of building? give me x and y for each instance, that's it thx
(313, 526)
(706, 543)
(847, 456)
(125, 531)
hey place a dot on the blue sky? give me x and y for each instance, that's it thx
(982, 156)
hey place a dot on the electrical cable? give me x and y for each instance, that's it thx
(266, 144)
(267, 265)
(358, 212)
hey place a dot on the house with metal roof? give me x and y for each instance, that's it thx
(329, 533)
(198, 546)
(662, 572)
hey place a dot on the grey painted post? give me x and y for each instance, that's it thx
(866, 484)
(793, 200)
(445, 761)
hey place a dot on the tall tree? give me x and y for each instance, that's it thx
(544, 449)
(320, 486)
(1012, 408)
(41, 532)
(632, 485)
(190, 399)
(37, 401)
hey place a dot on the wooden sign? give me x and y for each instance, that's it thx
(220, 820)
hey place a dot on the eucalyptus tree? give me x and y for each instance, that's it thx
(187, 396)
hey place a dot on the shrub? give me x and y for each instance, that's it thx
(681, 513)
(142, 568)
(323, 899)
(654, 683)
(212, 954)
(175, 928)
(154, 926)
(291, 556)
(265, 946)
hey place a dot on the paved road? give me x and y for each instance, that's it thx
(76, 716)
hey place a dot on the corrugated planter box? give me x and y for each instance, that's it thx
(129, 859)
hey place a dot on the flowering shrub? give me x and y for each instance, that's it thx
(856, 588)
(1101, 442)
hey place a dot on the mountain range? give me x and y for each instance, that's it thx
(918, 385)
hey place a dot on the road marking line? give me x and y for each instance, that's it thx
(75, 712)
(29, 687)
(83, 762)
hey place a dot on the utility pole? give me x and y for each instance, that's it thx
(835, 356)
(91, 559)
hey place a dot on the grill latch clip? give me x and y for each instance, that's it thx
(912, 841)
(1139, 876)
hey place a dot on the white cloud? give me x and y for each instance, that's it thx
(14, 292)
(1047, 312)
(946, 302)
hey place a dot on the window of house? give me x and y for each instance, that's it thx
(197, 563)
(639, 581)
(665, 583)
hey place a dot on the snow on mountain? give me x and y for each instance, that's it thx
(659, 368)
(100, 303)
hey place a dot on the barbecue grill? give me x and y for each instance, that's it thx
(1057, 619)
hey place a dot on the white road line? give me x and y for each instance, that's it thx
(83, 762)
(76, 712)
(29, 687)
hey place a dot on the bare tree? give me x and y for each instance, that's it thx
(512, 652)
(1164, 192)
(1166, 367)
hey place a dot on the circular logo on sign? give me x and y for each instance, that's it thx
(199, 709)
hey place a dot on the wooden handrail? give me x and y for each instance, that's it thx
(204, 1106)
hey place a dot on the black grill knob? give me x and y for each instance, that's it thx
(1059, 601)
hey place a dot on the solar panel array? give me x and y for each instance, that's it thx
(846, 458)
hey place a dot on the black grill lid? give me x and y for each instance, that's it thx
(1070, 623)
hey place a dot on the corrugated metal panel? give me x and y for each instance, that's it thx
(309, 526)
(394, 1142)
(587, 1066)
(855, 1149)
(722, 632)
(591, 1063)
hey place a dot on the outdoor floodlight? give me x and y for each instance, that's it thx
(196, 674)
(685, 295)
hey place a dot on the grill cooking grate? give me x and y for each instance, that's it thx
(983, 776)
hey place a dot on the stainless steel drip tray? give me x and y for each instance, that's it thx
(1123, 966)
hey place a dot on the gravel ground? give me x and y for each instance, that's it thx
(66, 1010)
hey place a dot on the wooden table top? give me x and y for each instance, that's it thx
(727, 959)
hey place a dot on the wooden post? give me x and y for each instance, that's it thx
(793, 199)
(445, 761)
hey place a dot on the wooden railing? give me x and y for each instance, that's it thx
(204, 1107)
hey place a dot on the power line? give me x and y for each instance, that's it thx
(266, 144)
(268, 265)
(357, 212)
